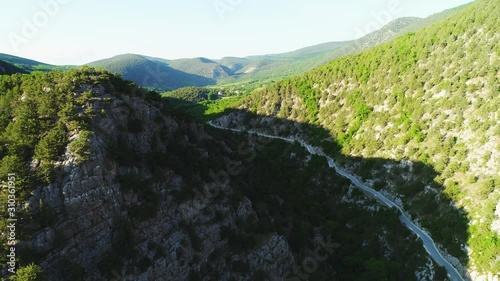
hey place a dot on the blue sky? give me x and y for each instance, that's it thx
(78, 32)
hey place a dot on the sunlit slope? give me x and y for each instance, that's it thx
(430, 96)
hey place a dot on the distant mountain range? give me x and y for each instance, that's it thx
(158, 73)
(166, 74)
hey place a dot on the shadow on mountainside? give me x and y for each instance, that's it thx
(412, 183)
(214, 203)
(150, 193)
(162, 76)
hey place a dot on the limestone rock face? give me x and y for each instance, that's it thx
(272, 257)
(93, 204)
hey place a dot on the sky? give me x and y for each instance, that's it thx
(72, 32)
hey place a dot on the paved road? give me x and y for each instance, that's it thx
(429, 244)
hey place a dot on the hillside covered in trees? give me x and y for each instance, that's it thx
(429, 97)
(26, 65)
(114, 183)
(117, 182)
(163, 74)
(7, 68)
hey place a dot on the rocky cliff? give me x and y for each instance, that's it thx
(142, 192)
(117, 205)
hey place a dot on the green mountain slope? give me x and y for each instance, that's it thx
(115, 184)
(7, 68)
(430, 97)
(262, 70)
(431, 20)
(385, 34)
(202, 67)
(151, 72)
(234, 64)
(28, 65)
(315, 50)
(172, 74)
(279, 66)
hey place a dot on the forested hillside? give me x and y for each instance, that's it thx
(27, 65)
(151, 72)
(7, 68)
(166, 74)
(163, 74)
(432, 19)
(429, 97)
(112, 183)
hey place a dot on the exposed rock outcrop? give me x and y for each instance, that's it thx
(91, 202)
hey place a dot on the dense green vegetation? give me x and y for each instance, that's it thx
(280, 66)
(294, 198)
(162, 74)
(31, 272)
(193, 94)
(419, 24)
(38, 113)
(151, 72)
(201, 66)
(207, 103)
(7, 68)
(44, 113)
(172, 74)
(27, 65)
(430, 97)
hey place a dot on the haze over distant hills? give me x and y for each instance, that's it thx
(166, 74)
(204, 71)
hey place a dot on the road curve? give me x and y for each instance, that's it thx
(429, 244)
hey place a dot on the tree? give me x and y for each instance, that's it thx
(212, 96)
(81, 146)
(52, 144)
(31, 272)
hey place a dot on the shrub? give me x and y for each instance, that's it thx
(130, 182)
(260, 275)
(81, 146)
(31, 272)
(124, 240)
(52, 144)
(378, 185)
(486, 188)
(47, 216)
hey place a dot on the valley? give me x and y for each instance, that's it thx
(422, 109)
(187, 200)
(162, 74)
(429, 244)
(376, 158)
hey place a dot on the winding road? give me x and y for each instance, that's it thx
(429, 244)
